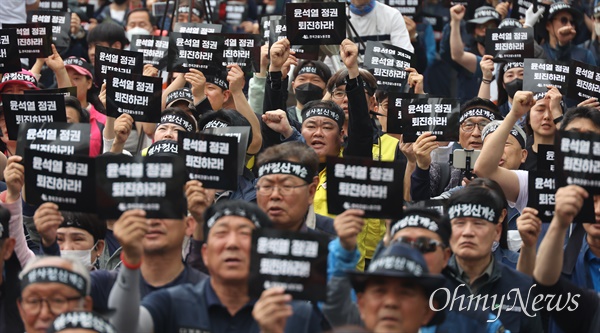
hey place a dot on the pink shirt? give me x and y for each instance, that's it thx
(95, 132)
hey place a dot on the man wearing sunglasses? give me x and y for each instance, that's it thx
(560, 27)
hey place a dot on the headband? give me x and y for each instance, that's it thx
(163, 147)
(308, 69)
(177, 120)
(512, 64)
(473, 210)
(477, 112)
(301, 171)
(217, 81)
(241, 212)
(19, 76)
(415, 221)
(55, 274)
(335, 115)
(516, 131)
(81, 319)
(215, 124)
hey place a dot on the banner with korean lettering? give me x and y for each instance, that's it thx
(66, 180)
(539, 73)
(415, 116)
(542, 188)
(56, 138)
(583, 81)
(242, 50)
(54, 5)
(9, 52)
(408, 8)
(32, 108)
(61, 26)
(197, 28)
(316, 23)
(294, 261)
(242, 134)
(388, 63)
(360, 183)
(154, 48)
(509, 44)
(195, 51)
(34, 40)
(152, 183)
(109, 60)
(137, 95)
(68, 91)
(212, 159)
(278, 31)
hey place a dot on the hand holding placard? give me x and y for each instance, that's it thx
(130, 230)
(347, 226)
(423, 147)
(122, 128)
(569, 200)
(529, 226)
(272, 310)
(47, 219)
(236, 78)
(198, 199)
(197, 80)
(415, 80)
(14, 176)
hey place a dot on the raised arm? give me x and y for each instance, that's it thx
(487, 68)
(457, 49)
(236, 84)
(55, 63)
(530, 227)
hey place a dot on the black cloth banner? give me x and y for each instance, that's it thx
(583, 81)
(154, 48)
(212, 159)
(278, 31)
(32, 108)
(33, 39)
(415, 116)
(54, 5)
(358, 183)
(316, 23)
(539, 73)
(242, 50)
(542, 188)
(67, 180)
(137, 95)
(388, 64)
(197, 28)
(56, 138)
(295, 261)
(9, 52)
(545, 157)
(578, 160)
(195, 51)
(68, 91)
(61, 26)
(509, 44)
(152, 183)
(242, 134)
(109, 60)
(408, 8)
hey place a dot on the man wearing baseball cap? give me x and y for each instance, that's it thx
(310, 79)
(17, 82)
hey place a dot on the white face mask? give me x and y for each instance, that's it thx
(83, 256)
(136, 31)
(597, 28)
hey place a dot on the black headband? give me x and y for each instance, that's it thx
(163, 147)
(55, 274)
(235, 212)
(473, 210)
(215, 124)
(81, 319)
(338, 117)
(287, 168)
(512, 64)
(19, 76)
(177, 120)
(414, 221)
(516, 131)
(308, 69)
(477, 112)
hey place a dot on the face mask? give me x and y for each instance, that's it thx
(597, 28)
(83, 256)
(136, 31)
(513, 86)
(307, 92)
(480, 40)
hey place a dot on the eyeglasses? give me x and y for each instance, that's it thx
(422, 244)
(564, 20)
(284, 190)
(469, 126)
(338, 94)
(56, 304)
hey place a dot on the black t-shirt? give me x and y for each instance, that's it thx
(530, 163)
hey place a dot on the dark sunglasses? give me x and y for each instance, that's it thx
(564, 20)
(423, 244)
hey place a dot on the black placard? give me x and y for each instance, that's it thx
(316, 23)
(154, 48)
(87, 10)
(388, 63)
(509, 44)
(578, 160)
(242, 50)
(242, 134)
(542, 188)
(33, 39)
(295, 261)
(212, 159)
(197, 28)
(236, 12)
(539, 73)
(67, 180)
(67, 91)
(278, 31)
(32, 108)
(195, 51)
(545, 157)
(415, 116)
(265, 24)
(55, 138)
(9, 52)
(583, 81)
(109, 60)
(408, 8)
(360, 183)
(152, 183)
(61, 26)
(137, 95)
(54, 5)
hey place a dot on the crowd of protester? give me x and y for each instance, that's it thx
(422, 271)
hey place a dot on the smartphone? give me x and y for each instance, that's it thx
(459, 158)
